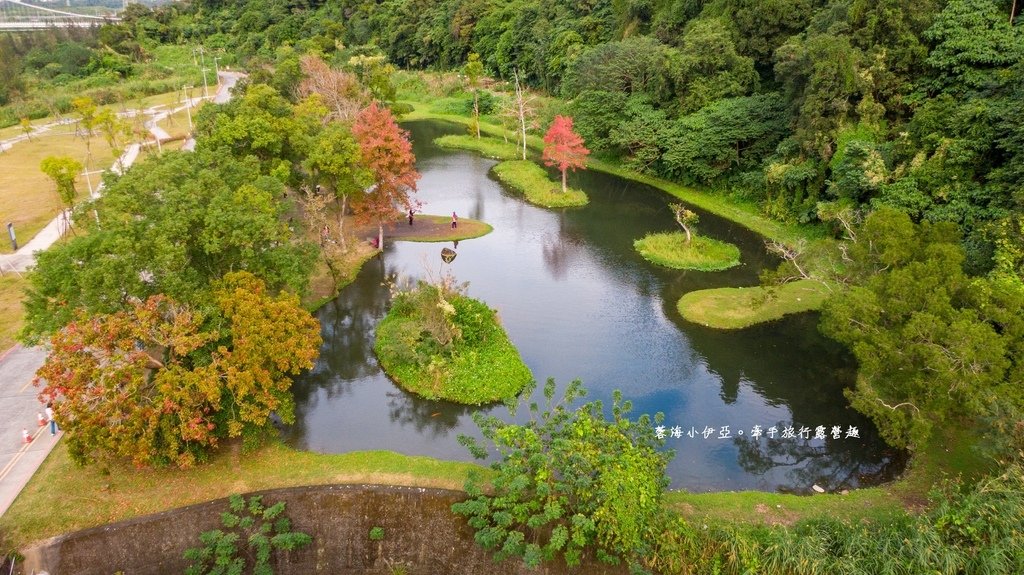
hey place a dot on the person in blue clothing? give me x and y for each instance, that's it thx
(49, 417)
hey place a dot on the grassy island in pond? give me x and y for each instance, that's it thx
(530, 179)
(735, 308)
(701, 253)
(441, 344)
(487, 147)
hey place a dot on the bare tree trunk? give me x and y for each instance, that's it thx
(1013, 10)
(564, 188)
(521, 110)
(341, 220)
(476, 112)
(380, 235)
(687, 230)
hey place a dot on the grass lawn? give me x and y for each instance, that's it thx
(735, 308)
(12, 315)
(702, 253)
(532, 181)
(28, 197)
(487, 147)
(63, 497)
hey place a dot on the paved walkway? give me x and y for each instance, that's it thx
(25, 257)
(19, 406)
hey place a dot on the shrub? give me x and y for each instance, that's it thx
(262, 529)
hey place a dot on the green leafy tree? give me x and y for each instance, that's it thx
(570, 484)
(26, 128)
(252, 532)
(335, 160)
(597, 117)
(63, 170)
(685, 218)
(932, 344)
(635, 66)
(161, 384)
(973, 42)
(820, 76)
(172, 225)
(710, 68)
(724, 137)
(474, 69)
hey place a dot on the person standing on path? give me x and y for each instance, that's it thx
(49, 417)
(411, 212)
(455, 221)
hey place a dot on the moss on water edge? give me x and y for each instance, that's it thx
(735, 308)
(532, 181)
(702, 253)
(488, 147)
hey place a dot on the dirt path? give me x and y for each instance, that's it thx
(425, 228)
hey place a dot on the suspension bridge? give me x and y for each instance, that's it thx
(20, 16)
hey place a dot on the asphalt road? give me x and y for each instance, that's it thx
(19, 405)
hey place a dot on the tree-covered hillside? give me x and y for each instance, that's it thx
(787, 103)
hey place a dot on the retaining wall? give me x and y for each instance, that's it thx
(420, 533)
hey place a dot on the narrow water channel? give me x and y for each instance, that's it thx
(578, 302)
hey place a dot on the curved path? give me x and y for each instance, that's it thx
(25, 258)
(19, 404)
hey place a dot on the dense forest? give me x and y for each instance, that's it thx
(787, 104)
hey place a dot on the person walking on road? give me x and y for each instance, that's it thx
(455, 221)
(49, 417)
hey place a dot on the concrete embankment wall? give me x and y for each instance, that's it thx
(421, 534)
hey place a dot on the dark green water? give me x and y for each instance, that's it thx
(579, 302)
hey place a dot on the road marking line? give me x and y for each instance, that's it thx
(21, 453)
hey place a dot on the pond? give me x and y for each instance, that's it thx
(578, 302)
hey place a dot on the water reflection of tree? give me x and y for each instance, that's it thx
(432, 418)
(561, 249)
(833, 464)
(347, 325)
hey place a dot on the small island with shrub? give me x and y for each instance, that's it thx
(440, 343)
(686, 250)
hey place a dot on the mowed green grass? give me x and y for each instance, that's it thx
(532, 181)
(487, 147)
(735, 308)
(701, 253)
(63, 497)
(12, 315)
(28, 197)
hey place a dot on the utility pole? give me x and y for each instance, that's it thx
(188, 107)
(206, 91)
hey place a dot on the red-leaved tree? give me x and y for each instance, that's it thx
(387, 153)
(563, 147)
(160, 384)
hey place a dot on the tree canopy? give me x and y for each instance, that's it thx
(571, 484)
(161, 383)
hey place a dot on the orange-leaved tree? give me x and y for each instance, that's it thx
(160, 383)
(563, 147)
(387, 153)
